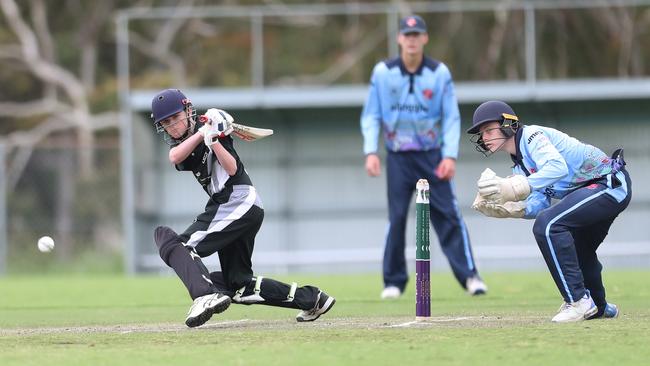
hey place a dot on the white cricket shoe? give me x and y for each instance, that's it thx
(203, 307)
(577, 311)
(391, 292)
(324, 303)
(475, 286)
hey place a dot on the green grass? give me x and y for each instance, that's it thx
(114, 320)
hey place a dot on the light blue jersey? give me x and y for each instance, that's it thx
(417, 112)
(556, 164)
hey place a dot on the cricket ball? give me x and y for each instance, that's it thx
(45, 244)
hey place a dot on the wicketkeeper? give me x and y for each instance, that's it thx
(592, 189)
(228, 226)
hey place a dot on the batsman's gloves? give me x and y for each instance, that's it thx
(209, 135)
(220, 125)
(515, 210)
(501, 190)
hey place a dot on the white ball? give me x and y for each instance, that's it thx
(45, 244)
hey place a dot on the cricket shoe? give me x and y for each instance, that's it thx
(203, 308)
(475, 286)
(611, 311)
(391, 292)
(576, 311)
(324, 303)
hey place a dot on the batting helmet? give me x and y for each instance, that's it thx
(493, 111)
(166, 104)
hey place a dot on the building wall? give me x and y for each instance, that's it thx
(324, 214)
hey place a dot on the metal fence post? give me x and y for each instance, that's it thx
(3, 212)
(126, 140)
(531, 46)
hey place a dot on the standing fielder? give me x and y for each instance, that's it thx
(592, 189)
(412, 99)
(228, 226)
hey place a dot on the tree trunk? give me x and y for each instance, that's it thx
(65, 203)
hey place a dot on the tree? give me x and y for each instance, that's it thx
(63, 103)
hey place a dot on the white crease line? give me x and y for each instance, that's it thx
(231, 322)
(430, 320)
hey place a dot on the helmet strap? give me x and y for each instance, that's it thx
(504, 139)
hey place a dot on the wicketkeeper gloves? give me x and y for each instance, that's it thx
(501, 197)
(502, 190)
(515, 210)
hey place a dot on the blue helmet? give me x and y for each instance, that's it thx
(493, 111)
(166, 104)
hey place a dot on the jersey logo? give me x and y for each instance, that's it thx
(409, 108)
(428, 93)
(531, 137)
(592, 186)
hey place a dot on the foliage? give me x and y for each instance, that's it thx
(483, 45)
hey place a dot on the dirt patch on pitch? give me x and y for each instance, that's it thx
(252, 324)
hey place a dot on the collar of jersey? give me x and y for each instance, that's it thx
(417, 72)
(518, 159)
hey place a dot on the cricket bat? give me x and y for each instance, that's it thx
(246, 133)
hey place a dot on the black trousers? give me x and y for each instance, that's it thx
(219, 229)
(228, 227)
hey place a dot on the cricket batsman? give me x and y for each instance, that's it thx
(592, 189)
(232, 217)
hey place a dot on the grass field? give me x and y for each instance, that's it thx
(116, 320)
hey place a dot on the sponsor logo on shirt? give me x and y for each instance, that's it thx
(413, 108)
(531, 137)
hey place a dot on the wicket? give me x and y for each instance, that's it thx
(422, 252)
